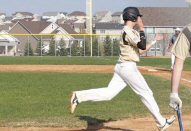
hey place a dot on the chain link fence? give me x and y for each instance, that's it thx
(75, 46)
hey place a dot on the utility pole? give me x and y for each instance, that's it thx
(189, 2)
(89, 21)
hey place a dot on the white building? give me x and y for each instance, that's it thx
(103, 16)
(22, 15)
(54, 16)
(77, 15)
(2, 16)
(8, 44)
(103, 29)
(117, 17)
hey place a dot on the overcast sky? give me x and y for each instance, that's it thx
(40, 6)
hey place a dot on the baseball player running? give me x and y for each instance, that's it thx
(181, 50)
(133, 43)
(171, 43)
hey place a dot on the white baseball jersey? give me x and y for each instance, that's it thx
(128, 45)
(126, 73)
(181, 48)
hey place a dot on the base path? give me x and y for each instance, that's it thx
(131, 124)
(166, 74)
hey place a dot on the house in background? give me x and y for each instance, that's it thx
(109, 29)
(117, 17)
(22, 15)
(167, 18)
(8, 44)
(77, 15)
(28, 27)
(80, 26)
(36, 17)
(2, 16)
(54, 16)
(6, 27)
(40, 27)
(103, 16)
(8, 20)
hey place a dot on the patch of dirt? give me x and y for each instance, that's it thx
(166, 74)
(58, 68)
(131, 124)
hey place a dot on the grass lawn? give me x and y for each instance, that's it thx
(41, 99)
(47, 60)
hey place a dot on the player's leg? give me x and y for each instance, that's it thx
(101, 94)
(140, 87)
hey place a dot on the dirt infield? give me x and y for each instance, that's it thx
(131, 124)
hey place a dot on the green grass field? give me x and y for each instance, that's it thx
(42, 99)
(156, 62)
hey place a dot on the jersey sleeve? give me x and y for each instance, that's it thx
(181, 47)
(132, 38)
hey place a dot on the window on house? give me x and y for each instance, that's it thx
(149, 30)
(102, 31)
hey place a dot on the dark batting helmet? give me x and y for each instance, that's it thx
(131, 14)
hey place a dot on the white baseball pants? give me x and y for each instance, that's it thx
(125, 73)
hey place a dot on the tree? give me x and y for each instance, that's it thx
(52, 48)
(107, 46)
(95, 47)
(116, 47)
(28, 50)
(62, 51)
(75, 49)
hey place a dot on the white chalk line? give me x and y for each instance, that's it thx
(186, 80)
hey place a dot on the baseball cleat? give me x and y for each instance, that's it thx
(74, 102)
(168, 123)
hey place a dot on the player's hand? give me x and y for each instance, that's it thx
(140, 24)
(158, 37)
(175, 101)
(153, 42)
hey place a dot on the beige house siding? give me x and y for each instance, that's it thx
(18, 29)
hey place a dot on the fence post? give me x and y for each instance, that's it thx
(98, 47)
(40, 45)
(55, 48)
(84, 45)
(70, 48)
(28, 45)
(112, 48)
(91, 42)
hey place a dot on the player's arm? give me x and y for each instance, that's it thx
(148, 46)
(142, 43)
(181, 51)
